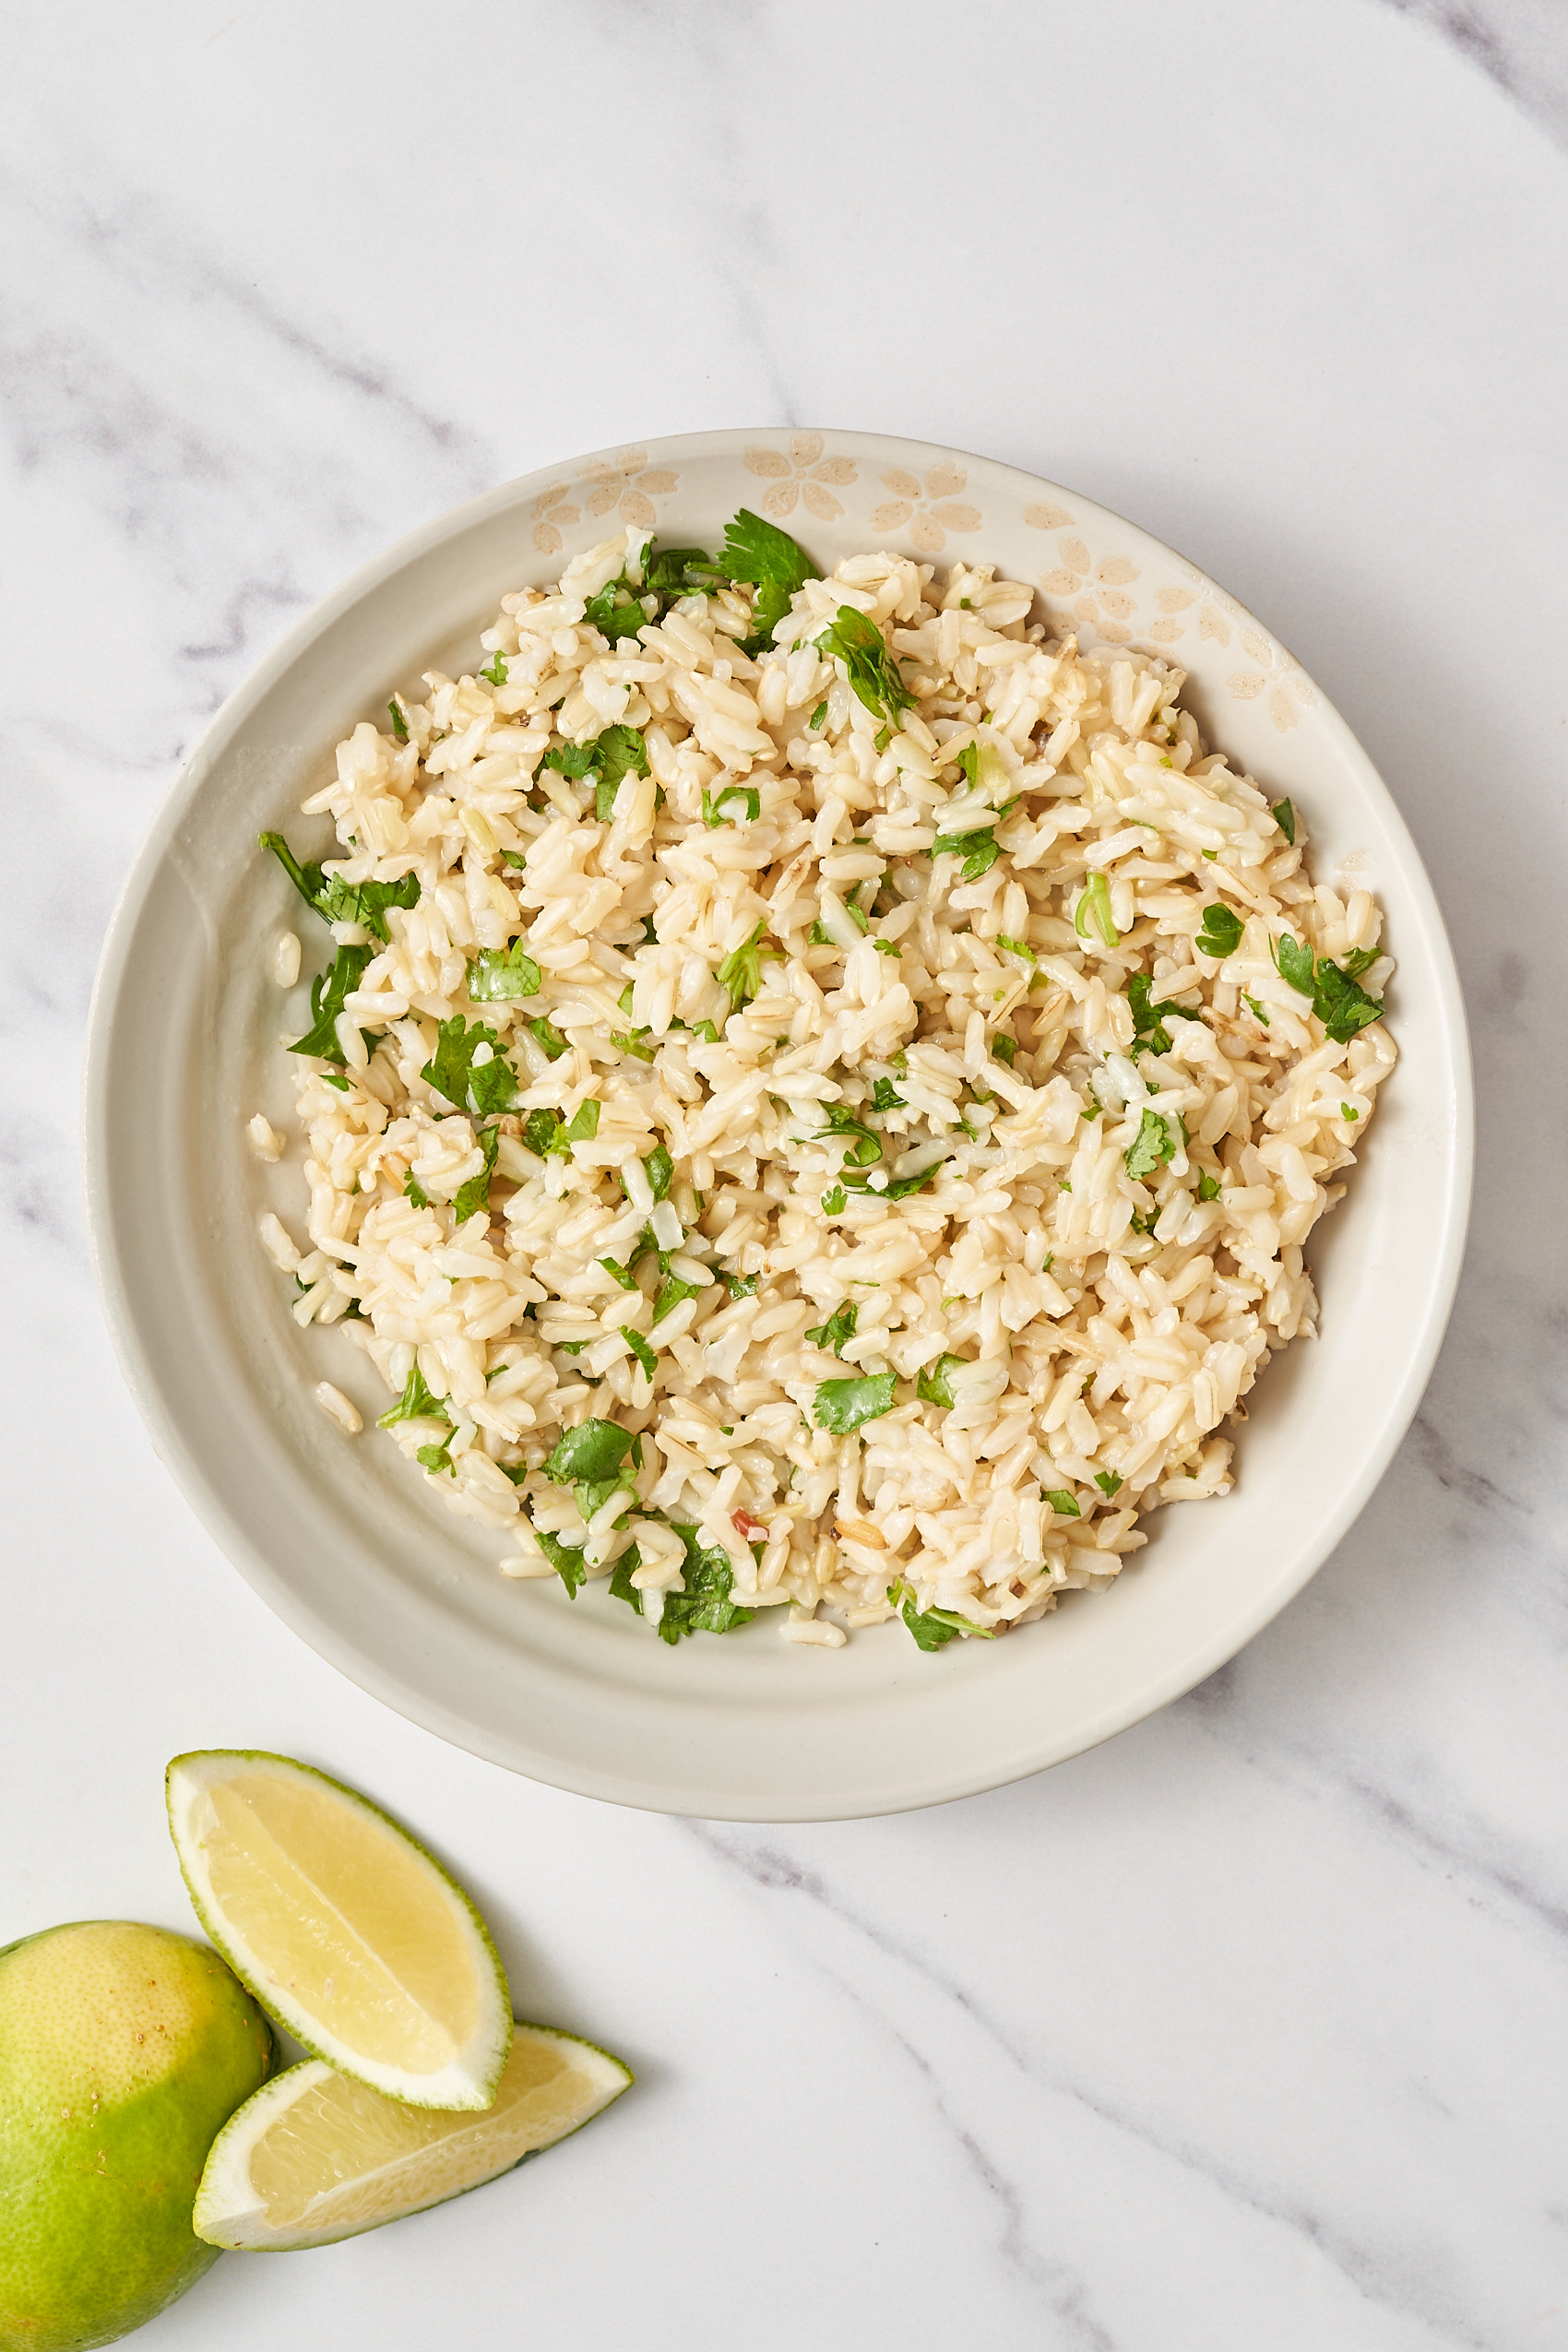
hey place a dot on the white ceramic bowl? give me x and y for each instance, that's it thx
(407, 1599)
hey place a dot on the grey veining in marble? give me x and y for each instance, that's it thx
(1522, 45)
(1247, 2032)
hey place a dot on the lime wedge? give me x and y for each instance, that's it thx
(342, 1926)
(313, 2157)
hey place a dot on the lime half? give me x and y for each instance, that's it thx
(342, 1926)
(313, 2157)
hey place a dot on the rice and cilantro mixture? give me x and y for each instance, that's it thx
(820, 1090)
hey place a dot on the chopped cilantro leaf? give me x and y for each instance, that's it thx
(933, 1628)
(1208, 1185)
(1153, 1143)
(979, 850)
(737, 803)
(618, 752)
(860, 645)
(328, 992)
(571, 760)
(1064, 1502)
(1149, 1032)
(865, 1149)
(659, 1167)
(843, 1405)
(594, 1450)
(473, 1196)
(1254, 1008)
(1348, 1111)
(1016, 948)
(885, 1096)
(1108, 1482)
(501, 975)
(548, 1037)
(741, 1286)
(935, 1384)
(414, 1190)
(818, 715)
(641, 1350)
(840, 1326)
(615, 611)
(1284, 816)
(887, 947)
(675, 572)
(704, 1606)
(1339, 1001)
(417, 1403)
(1221, 931)
(900, 1187)
(769, 561)
(834, 1201)
(435, 1459)
(482, 1088)
(620, 1585)
(740, 975)
(564, 1557)
(1295, 963)
(399, 724)
(631, 1041)
(671, 1292)
(1005, 1048)
(496, 674)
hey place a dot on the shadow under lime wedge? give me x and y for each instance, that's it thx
(342, 1926)
(315, 2156)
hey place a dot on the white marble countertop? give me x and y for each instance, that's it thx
(1246, 2033)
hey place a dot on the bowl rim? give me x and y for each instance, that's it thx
(203, 1493)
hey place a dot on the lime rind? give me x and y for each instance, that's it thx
(228, 2212)
(469, 2083)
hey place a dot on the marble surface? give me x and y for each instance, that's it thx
(1247, 2030)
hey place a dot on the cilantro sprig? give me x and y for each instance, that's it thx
(773, 564)
(338, 901)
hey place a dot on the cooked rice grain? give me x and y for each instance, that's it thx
(1111, 1308)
